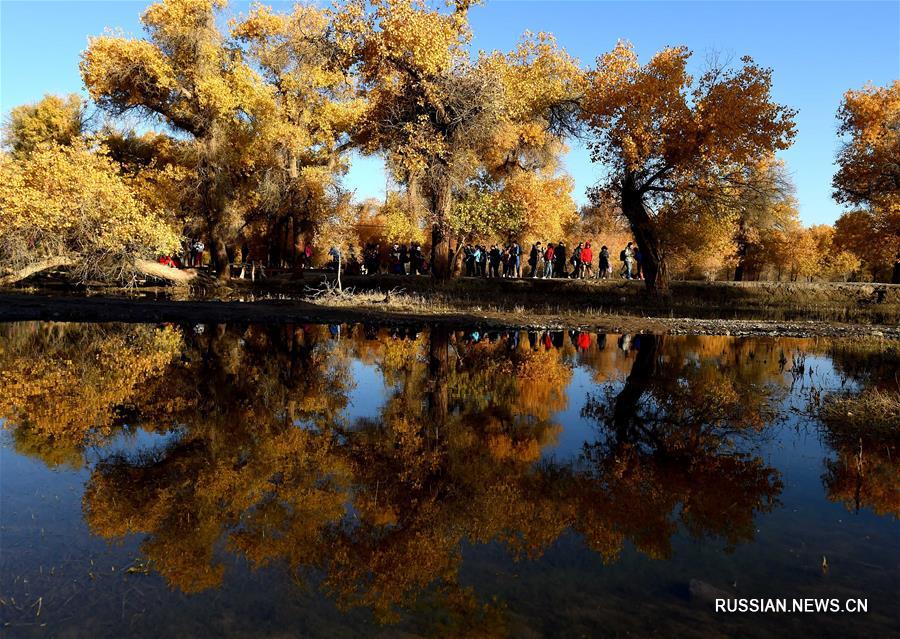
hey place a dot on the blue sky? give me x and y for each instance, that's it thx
(818, 50)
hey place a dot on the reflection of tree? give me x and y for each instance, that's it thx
(668, 454)
(863, 429)
(63, 386)
(260, 462)
(253, 459)
(864, 474)
(448, 460)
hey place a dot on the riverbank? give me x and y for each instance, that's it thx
(401, 310)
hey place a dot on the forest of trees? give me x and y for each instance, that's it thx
(241, 135)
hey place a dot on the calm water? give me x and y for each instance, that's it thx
(345, 481)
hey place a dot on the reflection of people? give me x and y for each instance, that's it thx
(584, 341)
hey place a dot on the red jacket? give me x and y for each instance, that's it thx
(548, 256)
(587, 255)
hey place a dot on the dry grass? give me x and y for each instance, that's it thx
(872, 412)
(395, 299)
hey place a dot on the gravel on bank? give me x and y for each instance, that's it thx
(24, 307)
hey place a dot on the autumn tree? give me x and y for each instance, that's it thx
(305, 58)
(770, 206)
(868, 172)
(428, 106)
(51, 120)
(435, 112)
(187, 76)
(70, 207)
(483, 214)
(872, 238)
(522, 159)
(662, 134)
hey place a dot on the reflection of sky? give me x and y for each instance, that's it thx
(576, 430)
(367, 396)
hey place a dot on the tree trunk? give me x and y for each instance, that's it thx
(340, 287)
(440, 234)
(219, 253)
(440, 253)
(742, 248)
(653, 263)
(37, 267)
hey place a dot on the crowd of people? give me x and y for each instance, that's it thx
(400, 259)
(554, 260)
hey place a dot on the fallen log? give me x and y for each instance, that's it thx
(37, 267)
(144, 267)
(163, 272)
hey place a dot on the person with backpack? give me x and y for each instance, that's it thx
(587, 259)
(603, 267)
(627, 257)
(549, 256)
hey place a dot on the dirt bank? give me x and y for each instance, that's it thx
(20, 307)
(842, 302)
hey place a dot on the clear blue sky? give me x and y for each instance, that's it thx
(817, 49)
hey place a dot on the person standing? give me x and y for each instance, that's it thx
(549, 256)
(576, 261)
(587, 259)
(533, 258)
(417, 263)
(495, 259)
(639, 272)
(627, 256)
(516, 254)
(404, 259)
(559, 257)
(603, 266)
(198, 252)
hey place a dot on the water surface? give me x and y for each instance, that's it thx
(328, 481)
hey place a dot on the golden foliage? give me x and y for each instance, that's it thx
(867, 163)
(53, 120)
(91, 372)
(71, 202)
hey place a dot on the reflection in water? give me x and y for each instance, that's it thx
(866, 470)
(261, 461)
